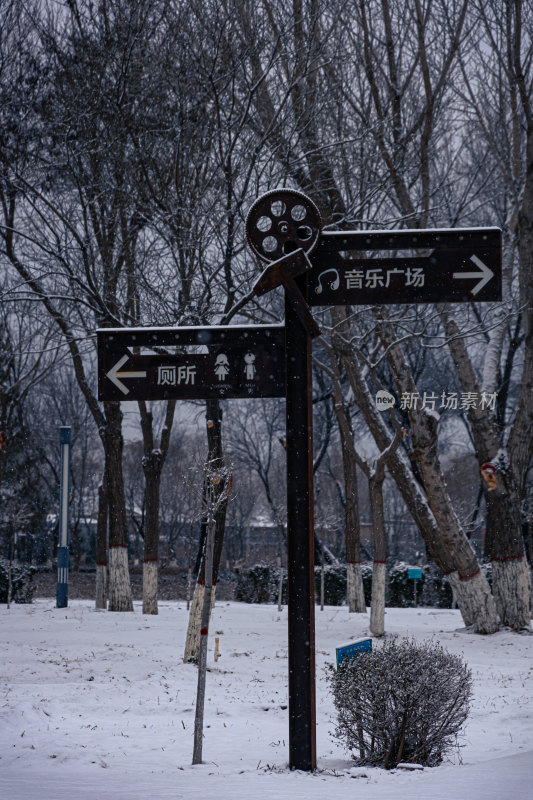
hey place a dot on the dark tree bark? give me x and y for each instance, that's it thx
(153, 462)
(120, 598)
(101, 547)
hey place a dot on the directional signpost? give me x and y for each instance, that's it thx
(243, 361)
(441, 266)
(328, 268)
(316, 268)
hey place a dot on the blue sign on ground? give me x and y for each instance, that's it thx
(414, 572)
(352, 650)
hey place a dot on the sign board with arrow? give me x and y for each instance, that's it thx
(238, 361)
(424, 266)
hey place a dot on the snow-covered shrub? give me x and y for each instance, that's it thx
(334, 584)
(258, 584)
(405, 702)
(21, 577)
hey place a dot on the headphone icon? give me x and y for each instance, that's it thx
(334, 285)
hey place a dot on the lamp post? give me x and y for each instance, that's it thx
(64, 490)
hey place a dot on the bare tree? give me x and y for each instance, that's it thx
(255, 435)
(355, 591)
(215, 458)
(375, 472)
(498, 65)
(295, 104)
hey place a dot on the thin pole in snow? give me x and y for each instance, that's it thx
(64, 494)
(202, 656)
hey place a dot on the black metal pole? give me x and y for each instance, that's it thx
(300, 535)
(63, 543)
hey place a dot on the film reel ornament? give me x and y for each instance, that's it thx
(282, 221)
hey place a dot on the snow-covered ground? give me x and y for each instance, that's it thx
(100, 705)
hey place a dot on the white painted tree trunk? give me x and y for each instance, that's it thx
(511, 590)
(150, 573)
(493, 352)
(101, 587)
(119, 580)
(354, 589)
(377, 609)
(476, 602)
(192, 642)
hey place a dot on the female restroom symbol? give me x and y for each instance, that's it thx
(222, 367)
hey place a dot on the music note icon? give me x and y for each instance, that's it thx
(333, 285)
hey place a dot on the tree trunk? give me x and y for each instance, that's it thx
(440, 542)
(101, 587)
(152, 473)
(503, 526)
(511, 588)
(354, 588)
(153, 461)
(192, 641)
(214, 440)
(473, 592)
(150, 583)
(425, 451)
(475, 601)
(101, 549)
(119, 587)
(10, 567)
(377, 609)
(119, 579)
(352, 528)
(510, 578)
(398, 465)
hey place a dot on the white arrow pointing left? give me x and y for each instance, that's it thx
(485, 275)
(115, 374)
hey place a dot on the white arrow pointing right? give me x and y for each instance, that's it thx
(114, 374)
(485, 275)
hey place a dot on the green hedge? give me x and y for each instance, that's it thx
(259, 584)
